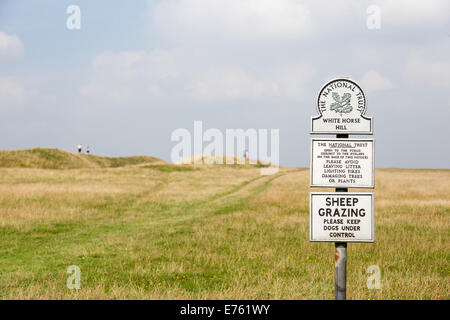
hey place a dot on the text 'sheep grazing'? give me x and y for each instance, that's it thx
(345, 217)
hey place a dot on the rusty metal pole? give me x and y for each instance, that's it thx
(340, 270)
(340, 257)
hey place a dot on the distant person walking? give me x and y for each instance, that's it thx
(88, 149)
(80, 147)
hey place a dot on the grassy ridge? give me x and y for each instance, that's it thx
(46, 158)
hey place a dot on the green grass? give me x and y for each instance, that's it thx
(60, 159)
(170, 168)
(160, 231)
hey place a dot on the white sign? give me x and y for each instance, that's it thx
(341, 105)
(341, 217)
(342, 163)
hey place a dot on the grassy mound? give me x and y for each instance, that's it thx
(47, 158)
(210, 159)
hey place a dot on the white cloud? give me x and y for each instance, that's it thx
(133, 77)
(291, 81)
(225, 83)
(271, 21)
(236, 19)
(414, 12)
(348, 14)
(11, 47)
(421, 69)
(11, 92)
(129, 76)
(372, 81)
(16, 92)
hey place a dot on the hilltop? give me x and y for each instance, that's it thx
(47, 158)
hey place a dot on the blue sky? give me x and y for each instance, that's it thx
(136, 71)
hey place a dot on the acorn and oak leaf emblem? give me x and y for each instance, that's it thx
(341, 104)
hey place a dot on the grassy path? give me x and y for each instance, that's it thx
(213, 232)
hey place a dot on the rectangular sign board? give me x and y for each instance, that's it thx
(342, 163)
(341, 217)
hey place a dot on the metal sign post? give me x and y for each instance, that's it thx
(340, 270)
(343, 163)
(340, 257)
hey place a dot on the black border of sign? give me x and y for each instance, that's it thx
(341, 132)
(345, 194)
(311, 166)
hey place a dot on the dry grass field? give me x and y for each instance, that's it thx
(144, 229)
